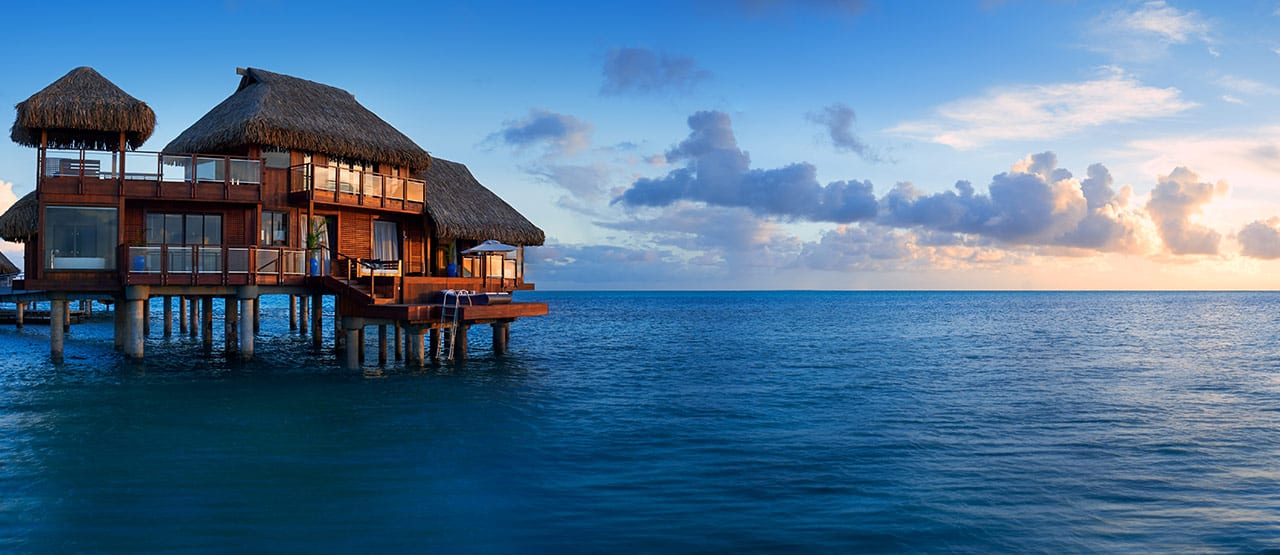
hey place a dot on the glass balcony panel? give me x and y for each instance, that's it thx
(348, 181)
(180, 259)
(294, 262)
(298, 178)
(237, 261)
(144, 260)
(247, 172)
(142, 166)
(323, 178)
(61, 163)
(394, 187)
(413, 190)
(210, 170)
(210, 260)
(268, 261)
(176, 169)
(373, 184)
(101, 165)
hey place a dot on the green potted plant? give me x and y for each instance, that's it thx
(451, 268)
(313, 247)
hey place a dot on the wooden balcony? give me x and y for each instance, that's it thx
(107, 175)
(345, 187)
(212, 265)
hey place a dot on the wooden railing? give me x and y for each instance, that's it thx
(149, 166)
(210, 264)
(361, 188)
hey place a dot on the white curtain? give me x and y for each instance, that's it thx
(386, 241)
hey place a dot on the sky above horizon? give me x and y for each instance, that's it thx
(758, 144)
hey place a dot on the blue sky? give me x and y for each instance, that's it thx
(760, 144)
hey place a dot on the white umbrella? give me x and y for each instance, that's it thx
(490, 246)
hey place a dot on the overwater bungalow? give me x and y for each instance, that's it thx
(287, 187)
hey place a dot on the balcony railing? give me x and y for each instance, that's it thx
(345, 186)
(200, 263)
(150, 166)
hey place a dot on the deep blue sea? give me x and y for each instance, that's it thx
(775, 422)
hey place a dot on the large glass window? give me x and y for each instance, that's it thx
(184, 229)
(276, 159)
(80, 237)
(275, 228)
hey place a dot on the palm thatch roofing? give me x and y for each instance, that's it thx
(279, 111)
(83, 110)
(462, 208)
(18, 224)
(7, 267)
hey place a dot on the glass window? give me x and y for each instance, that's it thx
(184, 229)
(275, 228)
(276, 159)
(80, 237)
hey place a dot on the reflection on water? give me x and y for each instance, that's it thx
(674, 422)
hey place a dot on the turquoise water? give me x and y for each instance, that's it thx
(673, 423)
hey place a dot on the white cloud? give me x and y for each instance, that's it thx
(1231, 99)
(1044, 111)
(1244, 86)
(1148, 31)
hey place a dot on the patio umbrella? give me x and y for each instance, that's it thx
(489, 246)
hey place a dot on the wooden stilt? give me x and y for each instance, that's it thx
(398, 341)
(460, 341)
(303, 316)
(500, 330)
(206, 321)
(339, 338)
(117, 314)
(182, 315)
(382, 345)
(146, 317)
(293, 312)
(257, 315)
(168, 316)
(353, 354)
(433, 344)
(194, 326)
(230, 325)
(56, 309)
(248, 296)
(317, 318)
(22, 307)
(360, 344)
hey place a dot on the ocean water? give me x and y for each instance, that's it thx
(672, 423)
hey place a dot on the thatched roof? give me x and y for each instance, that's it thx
(279, 111)
(7, 267)
(18, 224)
(83, 110)
(462, 208)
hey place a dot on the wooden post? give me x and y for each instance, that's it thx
(146, 316)
(339, 339)
(293, 312)
(168, 316)
(230, 324)
(398, 341)
(206, 321)
(382, 345)
(18, 314)
(433, 351)
(248, 296)
(354, 328)
(361, 344)
(303, 316)
(117, 314)
(460, 341)
(257, 315)
(135, 313)
(500, 330)
(57, 307)
(317, 319)
(182, 315)
(194, 326)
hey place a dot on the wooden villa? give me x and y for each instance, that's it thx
(287, 187)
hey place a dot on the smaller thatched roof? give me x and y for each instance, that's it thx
(83, 110)
(462, 208)
(275, 110)
(18, 224)
(7, 267)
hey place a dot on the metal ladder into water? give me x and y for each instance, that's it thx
(444, 349)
